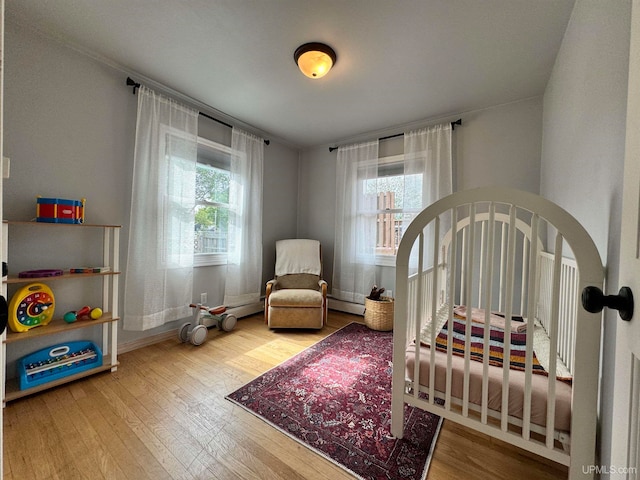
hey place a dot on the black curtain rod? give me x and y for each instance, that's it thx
(453, 127)
(136, 85)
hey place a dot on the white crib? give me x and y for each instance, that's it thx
(489, 249)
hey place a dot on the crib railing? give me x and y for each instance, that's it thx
(419, 291)
(420, 301)
(567, 313)
(484, 250)
(491, 257)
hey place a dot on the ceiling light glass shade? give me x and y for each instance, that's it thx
(315, 59)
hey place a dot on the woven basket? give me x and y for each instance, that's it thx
(378, 314)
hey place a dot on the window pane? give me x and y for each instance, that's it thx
(212, 184)
(212, 210)
(397, 192)
(211, 229)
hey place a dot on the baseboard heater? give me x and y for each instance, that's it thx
(346, 307)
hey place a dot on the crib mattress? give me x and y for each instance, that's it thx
(539, 387)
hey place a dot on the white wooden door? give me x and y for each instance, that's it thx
(3, 292)
(626, 427)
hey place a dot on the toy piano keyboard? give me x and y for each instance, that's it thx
(57, 361)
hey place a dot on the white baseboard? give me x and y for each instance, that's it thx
(239, 312)
(146, 341)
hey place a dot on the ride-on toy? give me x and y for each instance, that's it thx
(203, 318)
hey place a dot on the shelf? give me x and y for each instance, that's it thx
(64, 276)
(57, 326)
(107, 282)
(13, 392)
(75, 225)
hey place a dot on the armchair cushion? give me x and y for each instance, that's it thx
(296, 297)
(298, 280)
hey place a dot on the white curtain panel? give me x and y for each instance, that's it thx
(354, 269)
(244, 264)
(428, 151)
(159, 276)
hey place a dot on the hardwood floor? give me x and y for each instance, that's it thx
(163, 415)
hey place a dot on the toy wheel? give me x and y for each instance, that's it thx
(228, 323)
(183, 332)
(198, 335)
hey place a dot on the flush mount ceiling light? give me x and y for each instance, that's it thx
(315, 59)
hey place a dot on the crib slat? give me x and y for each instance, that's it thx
(503, 265)
(487, 312)
(411, 309)
(525, 266)
(420, 280)
(552, 331)
(481, 278)
(563, 322)
(463, 266)
(468, 302)
(531, 303)
(453, 261)
(511, 260)
(571, 314)
(434, 310)
(575, 281)
(546, 276)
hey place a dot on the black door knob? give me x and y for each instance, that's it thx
(593, 300)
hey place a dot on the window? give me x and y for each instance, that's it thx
(212, 203)
(398, 201)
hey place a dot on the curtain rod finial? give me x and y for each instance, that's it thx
(132, 83)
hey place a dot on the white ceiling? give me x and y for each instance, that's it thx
(399, 61)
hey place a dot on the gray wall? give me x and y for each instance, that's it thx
(494, 146)
(69, 131)
(583, 146)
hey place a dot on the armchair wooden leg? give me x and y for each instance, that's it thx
(266, 302)
(324, 304)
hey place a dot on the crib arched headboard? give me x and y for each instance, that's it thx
(493, 265)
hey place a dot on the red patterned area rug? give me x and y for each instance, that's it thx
(335, 398)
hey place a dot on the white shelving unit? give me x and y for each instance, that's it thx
(109, 319)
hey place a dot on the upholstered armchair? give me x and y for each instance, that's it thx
(297, 296)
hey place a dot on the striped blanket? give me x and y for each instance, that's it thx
(518, 345)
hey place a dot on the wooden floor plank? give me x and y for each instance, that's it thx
(163, 415)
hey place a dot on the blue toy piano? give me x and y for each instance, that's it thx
(57, 361)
